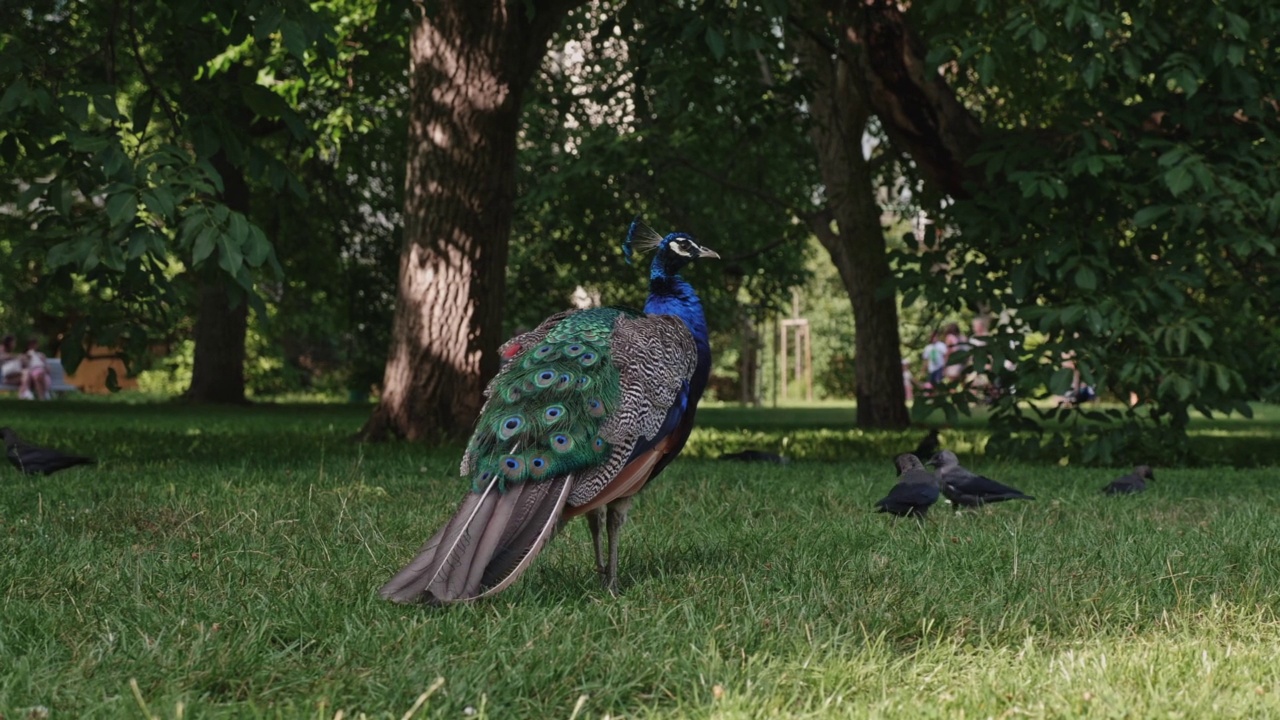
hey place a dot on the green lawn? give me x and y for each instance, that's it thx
(223, 563)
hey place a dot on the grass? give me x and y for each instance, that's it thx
(223, 563)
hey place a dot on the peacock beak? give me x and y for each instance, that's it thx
(706, 252)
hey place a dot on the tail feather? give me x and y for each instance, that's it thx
(535, 528)
(489, 539)
(407, 585)
(427, 575)
(485, 546)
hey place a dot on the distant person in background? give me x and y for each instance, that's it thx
(1080, 392)
(37, 371)
(13, 367)
(935, 358)
(908, 383)
(956, 343)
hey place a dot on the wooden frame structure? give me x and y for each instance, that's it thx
(803, 351)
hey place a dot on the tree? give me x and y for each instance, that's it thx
(714, 135)
(850, 230)
(638, 121)
(470, 64)
(137, 135)
(1115, 179)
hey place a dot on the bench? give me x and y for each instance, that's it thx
(57, 379)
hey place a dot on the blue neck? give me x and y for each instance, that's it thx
(671, 295)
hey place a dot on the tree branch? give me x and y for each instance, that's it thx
(146, 74)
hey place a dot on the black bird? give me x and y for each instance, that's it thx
(915, 491)
(927, 447)
(1134, 482)
(755, 456)
(35, 460)
(967, 489)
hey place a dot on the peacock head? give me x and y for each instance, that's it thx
(673, 251)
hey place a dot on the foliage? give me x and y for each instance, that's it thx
(328, 317)
(652, 110)
(1129, 211)
(224, 562)
(126, 131)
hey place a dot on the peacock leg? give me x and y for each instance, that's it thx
(617, 516)
(593, 521)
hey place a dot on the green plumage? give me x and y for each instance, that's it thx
(548, 404)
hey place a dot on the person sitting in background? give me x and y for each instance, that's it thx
(37, 371)
(13, 367)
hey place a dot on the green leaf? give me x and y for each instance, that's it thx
(159, 200)
(138, 242)
(85, 142)
(106, 107)
(1148, 215)
(1086, 279)
(1178, 179)
(229, 256)
(9, 149)
(1186, 79)
(64, 253)
(238, 231)
(715, 41)
(203, 246)
(263, 102)
(114, 161)
(257, 248)
(986, 69)
(142, 108)
(1061, 380)
(267, 23)
(1222, 377)
(1237, 26)
(60, 196)
(113, 257)
(14, 96)
(122, 207)
(1038, 40)
(77, 108)
(294, 38)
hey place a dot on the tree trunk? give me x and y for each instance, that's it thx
(218, 373)
(917, 109)
(469, 65)
(223, 315)
(857, 247)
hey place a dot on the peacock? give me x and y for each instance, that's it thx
(586, 409)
